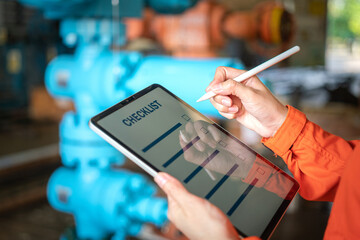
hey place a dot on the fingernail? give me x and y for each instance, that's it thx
(233, 109)
(183, 137)
(226, 102)
(161, 179)
(216, 87)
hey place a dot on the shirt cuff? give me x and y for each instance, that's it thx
(289, 131)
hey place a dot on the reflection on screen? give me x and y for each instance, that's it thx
(210, 162)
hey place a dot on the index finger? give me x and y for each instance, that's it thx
(224, 73)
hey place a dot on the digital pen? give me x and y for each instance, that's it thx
(257, 69)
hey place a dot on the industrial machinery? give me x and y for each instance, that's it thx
(203, 30)
(107, 202)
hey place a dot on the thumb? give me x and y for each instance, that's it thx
(172, 187)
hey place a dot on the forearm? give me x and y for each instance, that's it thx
(316, 158)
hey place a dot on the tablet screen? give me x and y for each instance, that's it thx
(171, 136)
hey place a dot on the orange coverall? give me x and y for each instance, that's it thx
(327, 168)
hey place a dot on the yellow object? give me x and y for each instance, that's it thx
(275, 24)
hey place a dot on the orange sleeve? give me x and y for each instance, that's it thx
(315, 157)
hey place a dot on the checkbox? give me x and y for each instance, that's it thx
(261, 171)
(222, 143)
(204, 130)
(186, 117)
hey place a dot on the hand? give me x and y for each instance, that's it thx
(195, 217)
(206, 138)
(251, 103)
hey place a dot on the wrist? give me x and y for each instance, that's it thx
(289, 131)
(281, 116)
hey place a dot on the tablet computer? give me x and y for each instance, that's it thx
(160, 132)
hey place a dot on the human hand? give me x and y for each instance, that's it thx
(205, 139)
(250, 102)
(195, 217)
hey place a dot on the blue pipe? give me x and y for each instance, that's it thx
(105, 201)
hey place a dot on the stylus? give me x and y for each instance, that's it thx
(257, 69)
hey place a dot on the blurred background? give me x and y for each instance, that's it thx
(62, 62)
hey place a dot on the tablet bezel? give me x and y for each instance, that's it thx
(152, 170)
